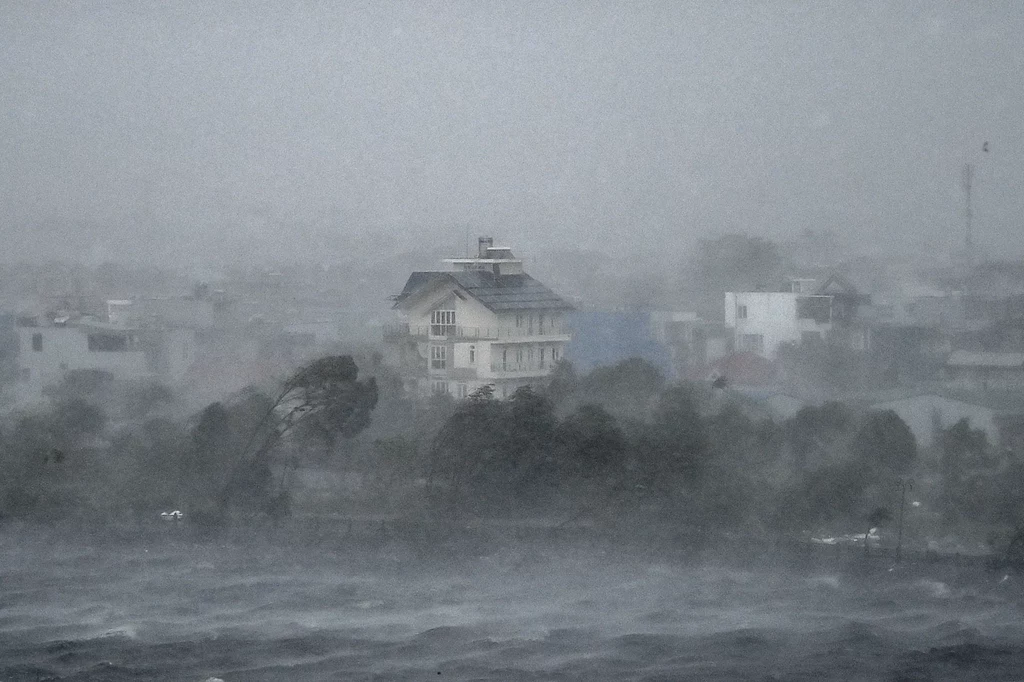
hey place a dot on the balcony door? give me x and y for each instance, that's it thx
(442, 322)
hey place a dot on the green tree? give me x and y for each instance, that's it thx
(44, 459)
(815, 432)
(591, 442)
(884, 440)
(562, 383)
(324, 395)
(833, 492)
(143, 398)
(963, 456)
(468, 448)
(626, 389)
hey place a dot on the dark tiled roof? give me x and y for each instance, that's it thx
(497, 292)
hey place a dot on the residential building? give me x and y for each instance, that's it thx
(762, 321)
(986, 370)
(48, 349)
(693, 343)
(483, 321)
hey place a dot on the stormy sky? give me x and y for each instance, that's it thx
(173, 131)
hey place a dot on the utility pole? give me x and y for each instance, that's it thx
(904, 485)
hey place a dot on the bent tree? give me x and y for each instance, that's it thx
(324, 398)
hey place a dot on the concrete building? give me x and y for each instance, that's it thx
(49, 346)
(484, 321)
(48, 350)
(762, 321)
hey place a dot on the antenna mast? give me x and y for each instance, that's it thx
(968, 213)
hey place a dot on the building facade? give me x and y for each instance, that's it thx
(762, 321)
(482, 322)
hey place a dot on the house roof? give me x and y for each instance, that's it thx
(964, 358)
(496, 292)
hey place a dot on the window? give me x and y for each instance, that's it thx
(439, 387)
(519, 355)
(504, 358)
(463, 391)
(529, 321)
(442, 322)
(519, 320)
(752, 342)
(107, 343)
(555, 354)
(741, 312)
(472, 355)
(37, 342)
(817, 308)
(438, 357)
(542, 349)
(540, 323)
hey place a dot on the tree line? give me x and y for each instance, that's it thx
(617, 445)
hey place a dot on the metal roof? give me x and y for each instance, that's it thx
(963, 358)
(496, 292)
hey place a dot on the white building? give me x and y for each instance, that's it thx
(764, 320)
(49, 349)
(483, 322)
(761, 321)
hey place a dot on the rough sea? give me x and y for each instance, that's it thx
(169, 606)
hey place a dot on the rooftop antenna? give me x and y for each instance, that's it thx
(968, 182)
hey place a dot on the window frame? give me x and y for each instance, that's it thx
(438, 357)
(442, 322)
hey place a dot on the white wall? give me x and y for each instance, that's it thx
(65, 349)
(468, 313)
(772, 314)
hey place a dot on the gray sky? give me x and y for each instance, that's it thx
(182, 130)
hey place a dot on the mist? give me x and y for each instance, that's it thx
(511, 341)
(240, 131)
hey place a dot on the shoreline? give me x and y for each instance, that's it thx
(412, 541)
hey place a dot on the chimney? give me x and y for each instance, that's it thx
(484, 243)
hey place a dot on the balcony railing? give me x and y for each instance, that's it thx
(520, 367)
(440, 331)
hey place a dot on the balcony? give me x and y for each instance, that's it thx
(397, 332)
(520, 369)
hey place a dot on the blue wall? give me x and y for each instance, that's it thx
(605, 338)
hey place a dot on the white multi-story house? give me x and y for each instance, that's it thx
(483, 322)
(50, 348)
(762, 321)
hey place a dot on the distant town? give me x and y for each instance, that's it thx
(750, 363)
(786, 325)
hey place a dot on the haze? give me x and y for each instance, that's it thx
(239, 130)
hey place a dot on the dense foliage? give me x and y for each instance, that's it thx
(617, 445)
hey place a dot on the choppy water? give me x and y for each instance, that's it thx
(172, 609)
